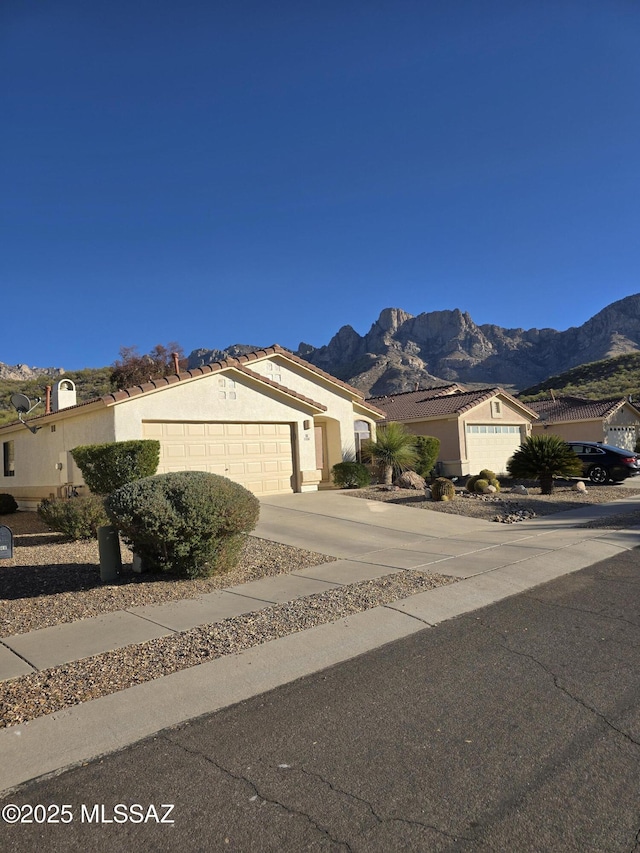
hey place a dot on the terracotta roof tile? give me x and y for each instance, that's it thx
(575, 408)
(237, 363)
(413, 405)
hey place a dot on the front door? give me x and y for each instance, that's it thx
(322, 464)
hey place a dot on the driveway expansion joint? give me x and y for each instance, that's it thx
(18, 655)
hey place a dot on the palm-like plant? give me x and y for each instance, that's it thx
(542, 458)
(394, 450)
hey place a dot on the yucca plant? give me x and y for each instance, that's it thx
(543, 458)
(394, 450)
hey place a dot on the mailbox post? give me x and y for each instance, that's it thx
(6, 543)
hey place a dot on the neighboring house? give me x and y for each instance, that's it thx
(477, 429)
(268, 420)
(615, 421)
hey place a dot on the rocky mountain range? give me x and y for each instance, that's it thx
(23, 373)
(401, 351)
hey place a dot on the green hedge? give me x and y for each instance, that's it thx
(106, 467)
(428, 450)
(76, 518)
(8, 504)
(348, 475)
(190, 523)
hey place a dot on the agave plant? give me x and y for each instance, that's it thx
(543, 458)
(394, 450)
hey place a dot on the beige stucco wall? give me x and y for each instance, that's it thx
(451, 432)
(38, 456)
(575, 431)
(338, 400)
(226, 396)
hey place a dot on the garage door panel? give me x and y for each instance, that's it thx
(235, 450)
(490, 446)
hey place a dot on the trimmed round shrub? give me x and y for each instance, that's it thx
(76, 518)
(349, 475)
(442, 489)
(189, 523)
(471, 484)
(106, 467)
(8, 504)
(480, 486)
(486, 474)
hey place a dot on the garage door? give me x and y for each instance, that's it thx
(490, 446)
(622, 436)
(258, 456)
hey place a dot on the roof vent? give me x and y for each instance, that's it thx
(64, 395)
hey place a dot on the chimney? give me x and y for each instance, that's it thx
(47, 404)
(64, 395)
(176, 362)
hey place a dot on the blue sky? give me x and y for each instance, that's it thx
(223, 171)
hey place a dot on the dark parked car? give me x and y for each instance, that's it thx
(603, 462)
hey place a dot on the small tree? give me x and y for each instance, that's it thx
(394, 450)
(428, 450)
(135, 369)
(543, 458)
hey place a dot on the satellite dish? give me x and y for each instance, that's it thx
(21, 403)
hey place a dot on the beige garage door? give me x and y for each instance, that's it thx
(489, 446)
(258, 456)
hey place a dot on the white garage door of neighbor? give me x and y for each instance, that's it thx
(258, 456)
(490, 446)
(622, 436)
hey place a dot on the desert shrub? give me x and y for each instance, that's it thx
(442, 489)
(189, 523)
(479, 483)
(8, 504)
(471, 484)
(76, 518)
(347, 475)
(106, 467)
(427, 450)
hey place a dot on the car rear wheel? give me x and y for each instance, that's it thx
(598, 474)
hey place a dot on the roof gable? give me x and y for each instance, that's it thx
(240, 364)
(578, 409)
(421, 405)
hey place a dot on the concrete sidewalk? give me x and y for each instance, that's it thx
(370, 539)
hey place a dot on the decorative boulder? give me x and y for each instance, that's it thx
(520, 490)
(427, 494)
(491, 490)
(410, 480)
(580, 487)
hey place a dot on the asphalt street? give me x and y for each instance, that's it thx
(512, 728)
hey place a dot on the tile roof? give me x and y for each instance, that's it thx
(414, 405)
(576, 408)
(240, 364)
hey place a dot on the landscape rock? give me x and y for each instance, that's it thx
(410, 480)
(579, 487)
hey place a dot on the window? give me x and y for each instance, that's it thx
(8, 459)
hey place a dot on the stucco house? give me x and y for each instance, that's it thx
(615, 421)
(268, 420)
(477, 429)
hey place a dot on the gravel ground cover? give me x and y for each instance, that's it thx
(31, 696)
(504, 504)
(50, 581)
